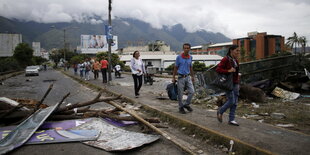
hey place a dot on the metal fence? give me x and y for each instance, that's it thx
(271, 68)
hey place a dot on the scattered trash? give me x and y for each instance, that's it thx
(255, 105)
(285, 94)
(307, 73)
(200, 152)
(277, 115)
(285, 125)
(263, 114)
(28, 80)
(251, 116)
(231, 143)
(261, 121)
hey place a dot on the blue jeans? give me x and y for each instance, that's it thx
(185, 82)
(232, 102)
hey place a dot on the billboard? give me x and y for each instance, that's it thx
(97, 43)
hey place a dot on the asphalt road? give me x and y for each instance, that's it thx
(34, 87)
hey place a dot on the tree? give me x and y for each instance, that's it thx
(23, 54)
(78, 58)
(293, 41)
(252, 55)
(55, 56)
(170, 67)
(37, 60)
(242, 54)
(114, 58)
(197, 66)
(303, 42)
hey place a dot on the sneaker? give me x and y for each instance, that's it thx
(219, 116)
(182, 111)
(188, 108)
(233, 123)
(137, 96)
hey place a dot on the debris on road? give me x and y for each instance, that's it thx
(115, 139)
(279, 92)
(25, 130)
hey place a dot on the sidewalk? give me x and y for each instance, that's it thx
(250, 137)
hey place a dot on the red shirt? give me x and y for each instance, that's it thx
(225, 65)
(104, 64)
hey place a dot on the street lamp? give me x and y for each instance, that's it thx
(64, 30)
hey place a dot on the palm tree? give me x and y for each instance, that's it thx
(303, 42)
(293, 41)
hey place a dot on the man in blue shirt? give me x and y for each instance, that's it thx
(184, 70)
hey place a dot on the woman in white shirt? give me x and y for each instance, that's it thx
(137, 69)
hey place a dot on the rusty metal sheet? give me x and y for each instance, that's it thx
(25, 130)
(112, 138)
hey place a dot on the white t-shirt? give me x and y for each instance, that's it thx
(117, 67)
(136, 64)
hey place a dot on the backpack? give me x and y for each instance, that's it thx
(172, 91)
(87, 66)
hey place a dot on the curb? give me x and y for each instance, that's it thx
(191, 128)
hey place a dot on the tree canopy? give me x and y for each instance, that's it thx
(23, 53)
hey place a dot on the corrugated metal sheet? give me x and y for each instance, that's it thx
(115, 139)
(25, 130)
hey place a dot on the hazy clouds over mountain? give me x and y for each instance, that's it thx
(233, 18)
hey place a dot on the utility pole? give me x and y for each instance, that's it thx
(64, 49)
(109, 43)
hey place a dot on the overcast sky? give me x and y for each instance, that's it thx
(233, 18)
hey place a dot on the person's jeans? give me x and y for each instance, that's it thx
(87, 75)
(137, 80)
(96, 74)
(185, 82)
(104, 75)
(232, 102)
(81, 73)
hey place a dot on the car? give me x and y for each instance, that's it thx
(32, 70)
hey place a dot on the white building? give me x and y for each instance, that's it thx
(163, 61)
(36, 46)
(8, 42)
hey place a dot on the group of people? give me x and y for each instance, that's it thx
(183, 75)
(92, 65)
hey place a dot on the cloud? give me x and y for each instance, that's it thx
(233, 18)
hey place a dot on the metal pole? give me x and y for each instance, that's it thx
(64, 49)
(109, 45)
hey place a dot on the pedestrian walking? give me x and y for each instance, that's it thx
(81, 69)
(96, 69)
(88, 67)
(184, 70)
(230, 65)
(137, 69)
(104, 67)
(75, 67)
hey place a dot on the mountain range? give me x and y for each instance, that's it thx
(130, 32)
